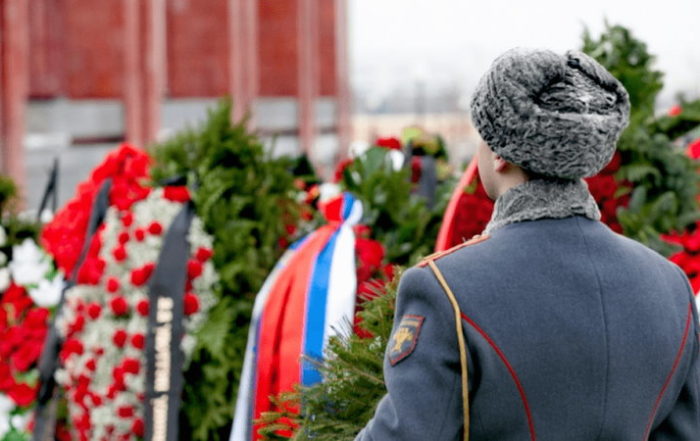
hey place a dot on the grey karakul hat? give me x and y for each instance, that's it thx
(557, 116)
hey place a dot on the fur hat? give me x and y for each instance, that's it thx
(557, 116)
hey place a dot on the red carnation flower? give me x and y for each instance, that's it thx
(694, 149)
(71, 346)
(77, 325)
(138, 427)
(119, 338)
(142, 307)
(340, 169)
(91, 364)
(127, 219)
(118, 305)
(125, 411)
(36, 318)
(176, 193)
(123, 237)
(194, 269)
(614, 164)
(119, 253)
(138, 340)
(141, 275)
(204, 254)
(94, 311)
(389, 143)
(155, 228)
(131, 366)
(113, 285)
(26, 356)
(22, 394)
(191, 303)
(416, 169)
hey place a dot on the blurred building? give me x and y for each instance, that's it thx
(78, 76)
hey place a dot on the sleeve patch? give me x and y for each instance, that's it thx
(405, 338)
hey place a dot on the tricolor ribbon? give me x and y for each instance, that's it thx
(308, 296)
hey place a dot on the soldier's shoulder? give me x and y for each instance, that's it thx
(478, 239)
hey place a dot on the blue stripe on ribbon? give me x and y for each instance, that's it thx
(316, 312)
(253, 382)
(348, 201)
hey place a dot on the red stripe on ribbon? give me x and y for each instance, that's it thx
(283, 321)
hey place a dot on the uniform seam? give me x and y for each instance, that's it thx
(606, 383)
(452, 397)
(511, 371)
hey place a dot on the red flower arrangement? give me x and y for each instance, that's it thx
(609, 193)
(689, 257)
(104, 320)
(23, 327)
(63, 237)
(472, 209)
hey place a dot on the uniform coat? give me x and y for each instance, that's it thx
(574, 333)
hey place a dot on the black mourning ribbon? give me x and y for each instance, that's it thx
(427, 184)
(50, 192)
(164, 356)
(48, 362)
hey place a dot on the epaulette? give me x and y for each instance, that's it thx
(474, 240)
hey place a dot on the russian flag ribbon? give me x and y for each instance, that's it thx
(307, 298)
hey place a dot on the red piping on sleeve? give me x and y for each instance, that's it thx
(676, 362)
(514, 376)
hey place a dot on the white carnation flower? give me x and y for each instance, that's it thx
(6, 406)
(4, 279)
(29, 264)
(48, 293)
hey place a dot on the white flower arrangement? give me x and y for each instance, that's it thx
(105, 325)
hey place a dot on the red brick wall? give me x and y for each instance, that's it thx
(93, 56)
(327, 43)
(277, 41)
(46, 47)
(77, 48)
(197, 48)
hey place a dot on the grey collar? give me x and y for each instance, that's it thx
(543, 199)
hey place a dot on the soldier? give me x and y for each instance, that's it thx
(570, 331)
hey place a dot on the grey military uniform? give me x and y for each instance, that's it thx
(575, 333)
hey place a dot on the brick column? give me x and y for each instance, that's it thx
(243, 49)
(145, 68)
(14, 86)
(308, 70)
(343, 93)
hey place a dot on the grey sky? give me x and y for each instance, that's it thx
(395, 42)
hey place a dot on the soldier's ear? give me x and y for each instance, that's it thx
(499, 164)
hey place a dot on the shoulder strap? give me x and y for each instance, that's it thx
(460, 341)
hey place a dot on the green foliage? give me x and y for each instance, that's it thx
(664, 178)
(8, 191)
(688, 120)
(630, 62)
(244, 198)
(401, 221)
(15, 228)
(337, 408)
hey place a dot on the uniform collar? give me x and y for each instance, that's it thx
(543, 199)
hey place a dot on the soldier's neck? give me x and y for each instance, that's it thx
(543, 199)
